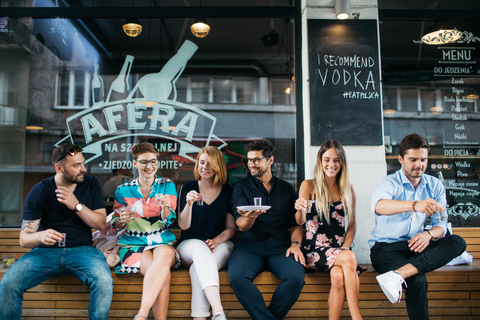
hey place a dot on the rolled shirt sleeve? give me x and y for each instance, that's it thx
(404, 225)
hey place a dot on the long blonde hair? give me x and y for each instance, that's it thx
(320, 188)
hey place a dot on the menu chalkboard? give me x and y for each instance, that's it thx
(457, 67)
(345, 83)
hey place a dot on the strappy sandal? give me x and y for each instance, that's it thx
(361, 269)
(140, 316)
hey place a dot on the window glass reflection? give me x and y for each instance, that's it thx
(245, 91)
(64, 81)
(200, 89)
(222, 90)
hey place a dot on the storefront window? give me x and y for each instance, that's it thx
(200, 89)
(282, 92)
(428, 99)
(433, 90)
(408, 99)
(222, 90)
(244, 91)
(83, 80)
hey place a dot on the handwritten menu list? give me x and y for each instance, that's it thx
(462, 133)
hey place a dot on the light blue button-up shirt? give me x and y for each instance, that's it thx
(405, 225)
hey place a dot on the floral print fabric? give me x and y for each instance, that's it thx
(323, 241)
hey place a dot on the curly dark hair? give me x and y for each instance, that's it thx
(264, 145)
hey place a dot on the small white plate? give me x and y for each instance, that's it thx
(253, 208)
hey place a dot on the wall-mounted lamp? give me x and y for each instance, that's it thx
(200, 28)
(441, 33)
(132, 27)
(342, 8)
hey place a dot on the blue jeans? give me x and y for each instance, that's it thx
(86, 263)
(248, 260)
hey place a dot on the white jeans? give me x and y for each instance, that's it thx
(204, 266)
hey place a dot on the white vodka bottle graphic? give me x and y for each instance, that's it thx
(121, 82)
(97, 87)
(159, 86)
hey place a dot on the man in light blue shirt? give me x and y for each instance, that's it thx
(400, 249)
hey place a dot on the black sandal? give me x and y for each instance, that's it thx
(361, 269)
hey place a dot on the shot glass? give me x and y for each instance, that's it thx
(257, 201)
(61, 243)
(8, 260)
(125, 209)
(200, 200)
(131, 214)
(158, 198)
(443, 216)
(309, 205)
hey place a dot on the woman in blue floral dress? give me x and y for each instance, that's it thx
(331, 227)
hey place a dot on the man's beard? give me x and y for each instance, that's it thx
(71, 179)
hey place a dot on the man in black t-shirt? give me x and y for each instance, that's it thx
(270, 238)
(58, 217)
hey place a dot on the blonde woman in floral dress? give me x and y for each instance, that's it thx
(328, 238)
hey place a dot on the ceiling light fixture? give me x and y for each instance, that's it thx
(436, 110)
(132, 27)
(200, 28)
(34, 128)
(389, 112)
(473, 97)
(441, 33)
(342, 9)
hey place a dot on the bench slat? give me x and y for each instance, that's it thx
(454, 291)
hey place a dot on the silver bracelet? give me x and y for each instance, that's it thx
(298, 244)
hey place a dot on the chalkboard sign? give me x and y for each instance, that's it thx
(344, 82)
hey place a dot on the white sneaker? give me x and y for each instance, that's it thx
(219, 316)
(391, 284)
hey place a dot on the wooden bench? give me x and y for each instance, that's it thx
(454, 291)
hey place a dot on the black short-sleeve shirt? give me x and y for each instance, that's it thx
(279, 218)
(209, 220)
(41, 203)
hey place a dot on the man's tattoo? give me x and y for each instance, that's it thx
(28, 224)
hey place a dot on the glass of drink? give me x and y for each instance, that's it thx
(200, 200)
(309, 205)
(257, 201)
(8, 260)
(443, 216)
(61, 243)
(131, 214)
(158, 198)
(125, 209)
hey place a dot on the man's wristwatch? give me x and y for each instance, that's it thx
(78, 207)
(431, 234)
(298, 244)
